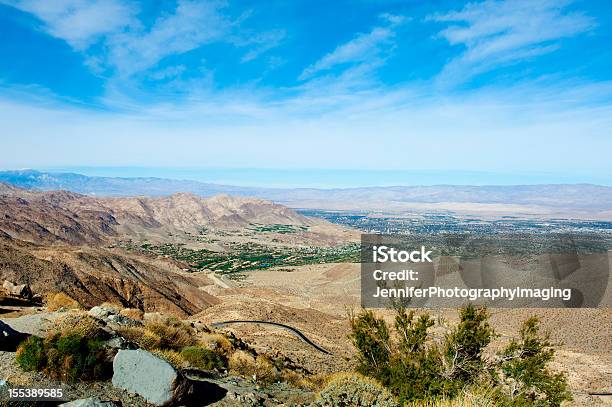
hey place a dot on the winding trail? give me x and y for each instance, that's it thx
(291, 329)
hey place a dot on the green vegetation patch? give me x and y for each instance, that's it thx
(415, 367)
(65, 357)
(252, 256)
(277, 228)
(203, 358)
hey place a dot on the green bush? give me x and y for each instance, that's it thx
(355, 390)
(66, 357)
(31, 354)
(524, 375)
(203, 358)
(370, 335)
(464, 346)
(414, 367)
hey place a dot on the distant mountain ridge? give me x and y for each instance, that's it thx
(563, 200)
(73, 218)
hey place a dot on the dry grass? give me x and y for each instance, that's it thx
(170, 356)
(161, 333)
(356, 390)
(259, 368)
(133, 313)
(242, 363)
(79, 322)
(301, 381)
(469, 398)
(61, 301)
(215, 342)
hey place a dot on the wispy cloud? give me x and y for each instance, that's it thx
(364, 48)
(129, 47)
(495, 33)
(79, 22)
(192, 25)
(261, 42)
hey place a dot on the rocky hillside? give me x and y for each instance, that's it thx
(70, 218)
(92, 276)
(187, 211)
(59, 241)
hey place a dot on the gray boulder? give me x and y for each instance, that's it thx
(101, 312)
(90, 402)
(143, 373)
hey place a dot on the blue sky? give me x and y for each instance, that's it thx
(498, 87)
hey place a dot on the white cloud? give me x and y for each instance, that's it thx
(79, 22)
(263, 42)
(503, 31)
(362, 48)
(128, 46)
(192, 25)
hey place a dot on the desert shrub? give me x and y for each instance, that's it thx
(408, 366)
(241, 363)
(79, 322)
(203, 358)
(61, 300)
(413, 367)
(31, 354)
(464, 346)
(67, 356)
(166, 332)
(217, 342)
(355, 390)
(259, 368)
(133, 313)
(370, 335)
(160, 333)
(524, 375)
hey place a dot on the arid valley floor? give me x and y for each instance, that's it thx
(208, 260)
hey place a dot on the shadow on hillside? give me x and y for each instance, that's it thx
(204, 393)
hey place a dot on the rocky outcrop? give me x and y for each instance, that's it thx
(17, 290)
(142, 373)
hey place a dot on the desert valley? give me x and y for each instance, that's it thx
(216, 260)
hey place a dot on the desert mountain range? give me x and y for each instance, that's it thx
(68, 217)
(584, 201)
(64, 241)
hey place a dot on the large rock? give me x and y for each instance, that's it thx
(90, 402)
(102, 312)
(143, 373)
(10, 338)
(17, 290)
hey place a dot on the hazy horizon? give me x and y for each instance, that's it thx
(330, 178)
